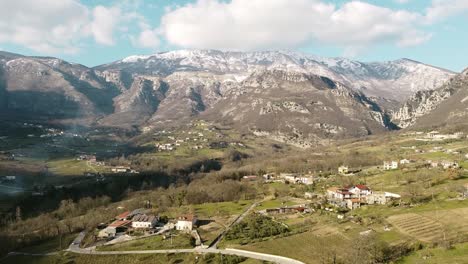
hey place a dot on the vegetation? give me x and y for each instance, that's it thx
(256, 226)
(170, 241)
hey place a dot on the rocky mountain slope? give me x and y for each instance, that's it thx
(445, 105)
(292, 97)
(395, 80)
(52, 88)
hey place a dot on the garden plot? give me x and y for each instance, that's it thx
(434, 225)
(418, 226)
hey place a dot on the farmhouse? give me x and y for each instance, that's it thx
(186, 222)
(297, 179)
(144, 221)
(391, 165)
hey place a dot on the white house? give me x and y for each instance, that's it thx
(144, 221)
(405, 161)
(186, 222)
(360, 190)
(392, 165)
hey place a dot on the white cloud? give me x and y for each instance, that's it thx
(402, 1)
(104, 22)
(63, 26)
(259, 24)
(146, 39)
(441, 9)
(43, 25)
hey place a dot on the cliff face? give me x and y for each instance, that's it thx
(445, 105)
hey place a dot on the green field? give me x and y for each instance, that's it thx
(52, 245)
(155, 242)
(456, 255)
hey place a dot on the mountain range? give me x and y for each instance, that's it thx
(288, 96)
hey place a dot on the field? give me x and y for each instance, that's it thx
(306, 247)
(52, 245)
(422, 228)
(155, 242)
(456, 255)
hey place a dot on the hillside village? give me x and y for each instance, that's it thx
(353, 197)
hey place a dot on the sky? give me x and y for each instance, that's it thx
(94, 32)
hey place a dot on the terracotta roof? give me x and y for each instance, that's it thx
(123, 215)
(120, 223)
(362, 187)
(188, 217)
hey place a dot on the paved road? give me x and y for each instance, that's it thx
(228, 251)
(241, 217)
(75, 248)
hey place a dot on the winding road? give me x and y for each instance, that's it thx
(75, 248)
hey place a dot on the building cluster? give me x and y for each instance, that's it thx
(446, 164)
(139, 220)
(355, 196)
(293, 178)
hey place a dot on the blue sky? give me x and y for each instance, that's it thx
(93, 32)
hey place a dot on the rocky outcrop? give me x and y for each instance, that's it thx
(435, 107)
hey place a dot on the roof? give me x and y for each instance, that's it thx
(120, 223)
(362, 187)
(188, 217)
(143, 218)
(123, 215)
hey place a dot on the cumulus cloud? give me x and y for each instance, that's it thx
(258, 24)
(43, 25)
(52, 27)
(104, 22)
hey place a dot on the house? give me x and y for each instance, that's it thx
(360, 190)
(392, 165)
(186, 222)
(449, 165)
(269, 176)
(297, 179)
(382, 197)
(353, 203)
(335, 193)
(144, 221)
(405, 161)
(466, 156)
(343, 170)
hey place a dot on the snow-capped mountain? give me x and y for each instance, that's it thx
(395, 80)
(288, 96)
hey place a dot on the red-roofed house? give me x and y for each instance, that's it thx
(186, 222)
